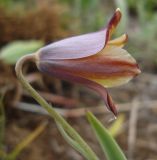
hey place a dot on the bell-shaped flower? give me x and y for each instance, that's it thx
(91, 59)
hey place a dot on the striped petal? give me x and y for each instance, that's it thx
(59, 73)
(75, 47)
(80, 46)
(113, 24)
(111, 67)
(91, 59)
(120, 67)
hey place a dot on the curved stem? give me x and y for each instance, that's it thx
(57, 117)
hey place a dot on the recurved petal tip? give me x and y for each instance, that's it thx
(51, 69)
(118, 10)
(111, 106)
(120, 41)
(105, 95)
(138, 70)
(113, 24)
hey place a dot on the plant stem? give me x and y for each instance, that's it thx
(57, 117)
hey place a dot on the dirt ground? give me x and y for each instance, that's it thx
(136, 100)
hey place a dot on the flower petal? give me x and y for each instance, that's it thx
(75, 47)
(123, 67)
(120, 41)
(59, 73)
(111, 67)
(113, 24)
(80, 46)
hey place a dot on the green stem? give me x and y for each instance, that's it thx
(57, 117)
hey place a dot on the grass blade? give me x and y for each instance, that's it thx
(72, 142)
(108, 144)
(115, 128)
(27, 140)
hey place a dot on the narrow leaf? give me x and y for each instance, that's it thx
(13, 51)
(26, 141)
(115, 128)
(108, 144)
(72, 142)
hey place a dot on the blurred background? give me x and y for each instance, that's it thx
(28, 25)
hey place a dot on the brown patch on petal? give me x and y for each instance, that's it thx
(119, 63)
(65, 75)
(111, 105)
(112, 24)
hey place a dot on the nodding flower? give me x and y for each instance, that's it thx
(91, 59)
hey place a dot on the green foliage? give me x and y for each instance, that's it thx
(113, 131)
(13, 51)
(72, 142)
(87, 14)
(122, 4)
(116, 127)
(142, 23)
(5, 3)
(12, 4)
(9, 4)
(108, 144)
(91, 15)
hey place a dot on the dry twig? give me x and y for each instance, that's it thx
(77, 112)
(133, 129)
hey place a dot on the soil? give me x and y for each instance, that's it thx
(51, 145)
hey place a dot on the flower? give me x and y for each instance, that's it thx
(91, 59)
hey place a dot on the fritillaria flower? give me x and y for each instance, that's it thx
(91, 59)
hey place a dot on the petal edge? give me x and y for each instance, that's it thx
(58, 73)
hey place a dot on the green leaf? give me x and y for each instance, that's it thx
(14, 50)
(108, 144)
(72, 142)
(115, 128)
